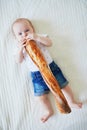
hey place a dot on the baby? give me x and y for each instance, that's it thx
(23, 29)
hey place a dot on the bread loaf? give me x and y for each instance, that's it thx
(38, 58)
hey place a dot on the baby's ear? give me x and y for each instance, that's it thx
(14, 36)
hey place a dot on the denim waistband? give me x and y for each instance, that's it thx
(37, 74)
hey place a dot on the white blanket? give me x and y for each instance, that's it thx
(65, 21)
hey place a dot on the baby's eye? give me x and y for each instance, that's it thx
(26, 30)
(20, 33)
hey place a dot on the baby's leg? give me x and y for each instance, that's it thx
(70, 98)
(45, 102)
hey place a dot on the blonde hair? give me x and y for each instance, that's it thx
(22, 19)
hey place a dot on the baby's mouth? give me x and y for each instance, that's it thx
(24, 42)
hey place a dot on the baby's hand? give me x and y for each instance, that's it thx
(22, 42)
(22, 45)
(31, 36)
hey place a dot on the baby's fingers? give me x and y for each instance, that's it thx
(23, 42)
(24, 45)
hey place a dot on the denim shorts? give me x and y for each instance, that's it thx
(39, 84)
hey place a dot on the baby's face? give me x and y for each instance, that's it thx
(21, 30)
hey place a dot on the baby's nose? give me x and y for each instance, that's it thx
(24, 34)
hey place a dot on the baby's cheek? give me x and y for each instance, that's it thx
(20, 39)
(17, 38)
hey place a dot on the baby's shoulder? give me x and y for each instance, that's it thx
(44, 35)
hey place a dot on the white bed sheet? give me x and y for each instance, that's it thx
(65, 21)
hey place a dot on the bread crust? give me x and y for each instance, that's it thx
(38, 58)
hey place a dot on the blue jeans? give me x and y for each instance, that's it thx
(39, 84)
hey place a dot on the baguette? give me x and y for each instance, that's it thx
(38, 58)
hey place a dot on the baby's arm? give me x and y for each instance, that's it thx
(19, 56)
(44, 40)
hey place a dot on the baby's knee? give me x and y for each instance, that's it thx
(43, 97)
